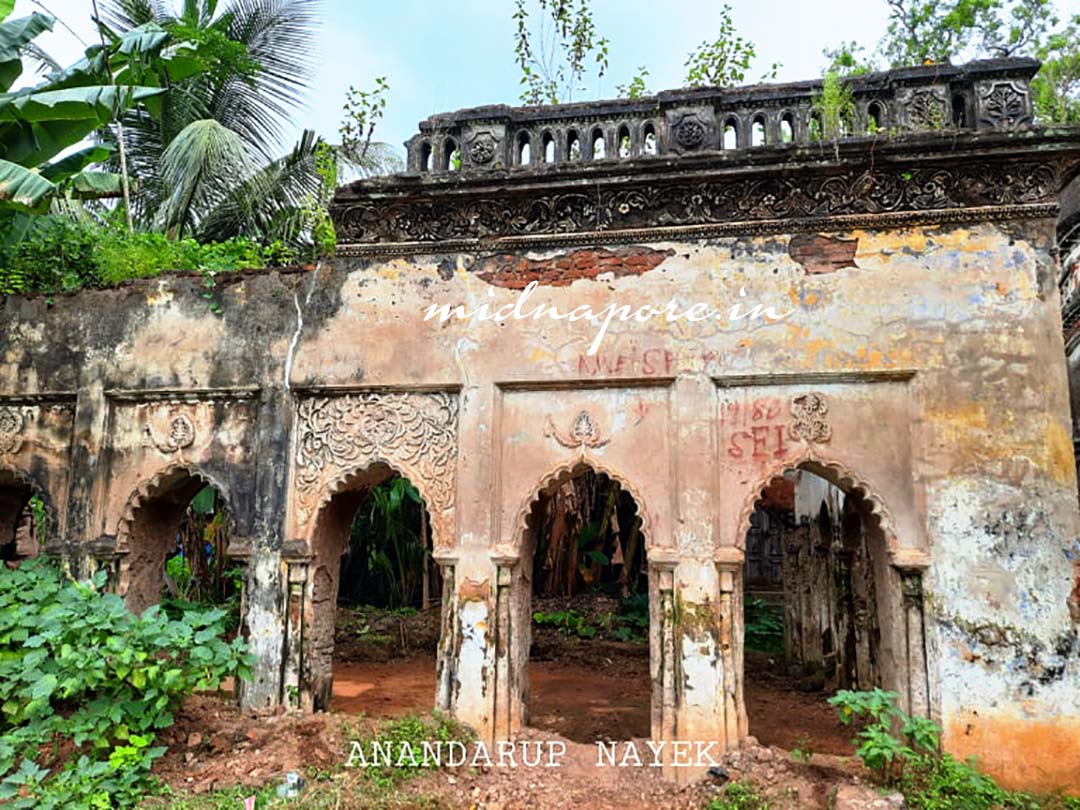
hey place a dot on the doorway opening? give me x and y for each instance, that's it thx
(376, 596)
(24, 519)
(585, 601)
(176, 546)
(814, 583)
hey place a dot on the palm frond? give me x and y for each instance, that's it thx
(273, 202)
(203, 162)
(378, 158)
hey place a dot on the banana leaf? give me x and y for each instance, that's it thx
(21, 187)
(14, 37)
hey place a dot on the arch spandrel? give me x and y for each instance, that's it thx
(339, 437)
(544, 437)
(841, 432)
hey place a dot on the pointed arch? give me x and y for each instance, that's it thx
(837, 474)
(159, 484)
(554, 478)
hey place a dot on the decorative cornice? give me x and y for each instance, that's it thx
(182, 394)
(689, 205)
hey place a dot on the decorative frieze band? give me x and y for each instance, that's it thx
(339, 436)
(690, 201)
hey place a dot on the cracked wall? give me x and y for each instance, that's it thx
(944, 402)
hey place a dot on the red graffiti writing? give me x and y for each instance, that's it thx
(755, 429)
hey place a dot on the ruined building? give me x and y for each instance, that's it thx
(920, 371)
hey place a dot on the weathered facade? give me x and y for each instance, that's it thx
(920, 369)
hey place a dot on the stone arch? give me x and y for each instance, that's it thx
(837, 474)
(17, 488)
(894, 589)
(555, 477)
(515, 587)
(327, 543)
(152, 515)
(350, 477)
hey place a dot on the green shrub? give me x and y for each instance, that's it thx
(739, 796)
(85, 686)
(914, 762)
(50, 254)
(764, 625)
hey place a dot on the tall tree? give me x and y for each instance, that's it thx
(922, 31)
(219, 124)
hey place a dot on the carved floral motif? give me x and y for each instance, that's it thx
(11, 426)
(1003, 105)
(622, 206)
(414, 432)
(925, 108)
(179, 435)
(808, 413)
(482, 149)
(583, 433)
(690, 133)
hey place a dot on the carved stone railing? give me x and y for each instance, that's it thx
(988, 94)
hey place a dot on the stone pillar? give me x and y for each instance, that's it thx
(300, 686)
(729, 571)
(82, 517)
(663, 663)
(445, 665)
(915, 675)
(509, 709)
(267, 584)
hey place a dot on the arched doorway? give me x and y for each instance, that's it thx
(375, 598)
(583, 611)
(823, 608)
(25, 519)
(173, 544)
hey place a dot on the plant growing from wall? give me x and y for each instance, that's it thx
(938, 31)
(724, 61)
(833, 109)
(556, 55)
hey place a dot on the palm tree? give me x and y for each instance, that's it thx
(219, 128)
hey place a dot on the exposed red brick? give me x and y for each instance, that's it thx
(516, 272)
(822, 254)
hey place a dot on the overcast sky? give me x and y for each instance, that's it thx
(440, 56)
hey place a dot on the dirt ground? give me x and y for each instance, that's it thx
(215, 746)
(581, 691)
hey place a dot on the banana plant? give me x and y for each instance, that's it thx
(40, 123)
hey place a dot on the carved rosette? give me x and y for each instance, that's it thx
(416, 433)
(11, 429)
(924, 108)
(1003, 105)
(583, 433)
(176, 435)
(809, 423)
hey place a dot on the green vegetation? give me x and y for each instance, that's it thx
(764, 626)
(54, 254)
(932, 31)
(904, 752)
(181, 117)
(387, 547)
(630, 623)
(85, 686)
(725, 61)
(739, 796)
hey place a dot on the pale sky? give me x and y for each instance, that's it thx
(440, 56)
